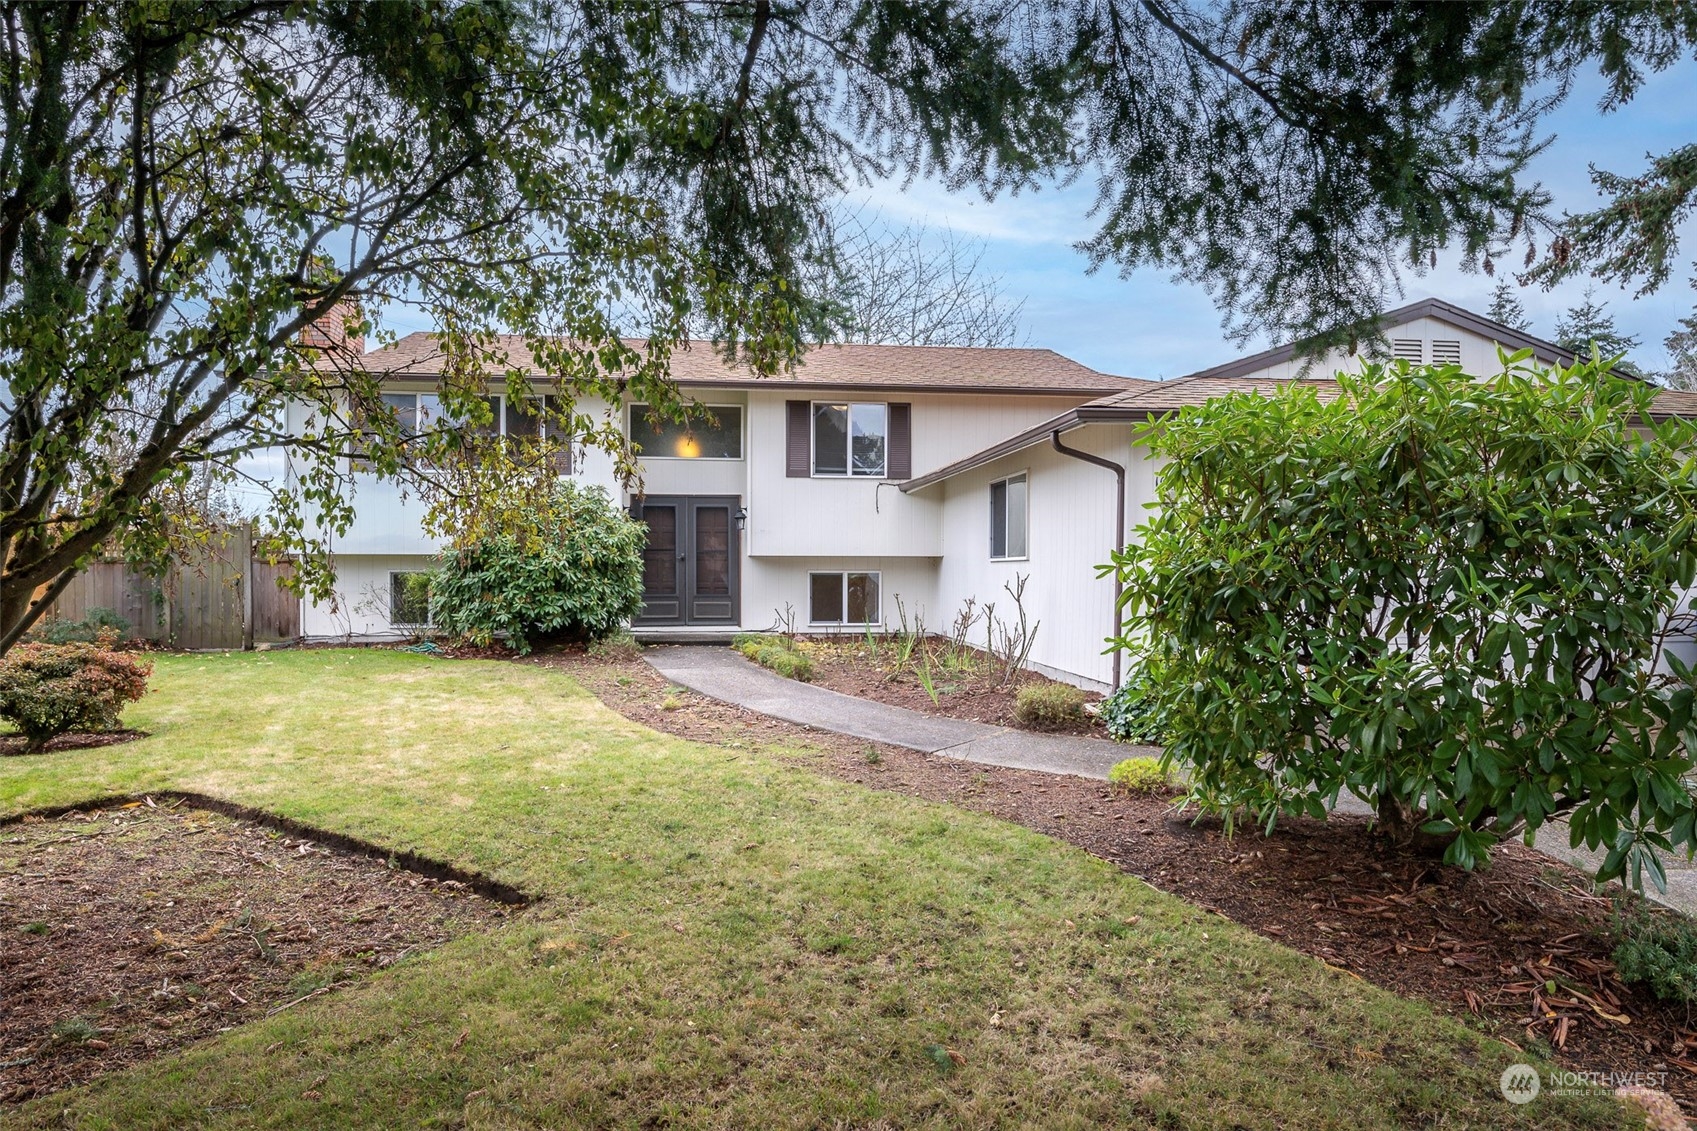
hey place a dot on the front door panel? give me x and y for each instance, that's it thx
(662, 563)
(690, 567)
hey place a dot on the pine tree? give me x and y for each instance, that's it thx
(1589, 326)
(1506, 308)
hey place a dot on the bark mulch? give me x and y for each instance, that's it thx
(131, 930)
(974, 692)
(1520, 951)
(12, 745)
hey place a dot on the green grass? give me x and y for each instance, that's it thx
(727, 939)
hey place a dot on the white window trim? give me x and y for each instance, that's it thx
(843, 574)
(848, 441)
(393, 623)
(1025, 474)
(742, 435)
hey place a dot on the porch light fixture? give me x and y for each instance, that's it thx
(741, 517)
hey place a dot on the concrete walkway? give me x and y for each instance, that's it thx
(720, 673)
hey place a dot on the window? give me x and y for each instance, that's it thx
(843, 598)
(1446, 353)
(850, 439)
(409, 599)
(1408, 349)
(713, 432)
(417, 412)
(1007, 517)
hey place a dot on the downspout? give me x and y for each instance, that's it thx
(1119, 526)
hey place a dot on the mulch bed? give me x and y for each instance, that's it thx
(13, 745)
(129, 931)
(1520, 951)
(846, 665)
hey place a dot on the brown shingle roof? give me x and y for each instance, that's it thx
(910, 368)
(1158, 398)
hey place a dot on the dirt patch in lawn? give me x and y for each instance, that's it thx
(970, 688)
(1520, 951)
(131, 928)
(13, 745)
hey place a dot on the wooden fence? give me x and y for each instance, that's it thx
(224, 598)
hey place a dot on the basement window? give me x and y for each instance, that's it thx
(843, 598)
(1008, 510)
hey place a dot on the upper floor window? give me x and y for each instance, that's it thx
(1008, 509)
(850, 439)
(712, 432)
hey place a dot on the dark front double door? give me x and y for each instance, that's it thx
(691, 564)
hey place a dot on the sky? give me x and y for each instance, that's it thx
(1147, 325)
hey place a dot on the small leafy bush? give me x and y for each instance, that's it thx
(1048, 706)
(786, 662)
(1140, 775)
(750, 643)
(578, 576)
(1132, 714)
(85, 631)
(1661, 952)
(51, 689)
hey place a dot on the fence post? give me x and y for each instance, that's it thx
(245, 580)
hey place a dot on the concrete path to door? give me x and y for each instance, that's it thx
(720, 673)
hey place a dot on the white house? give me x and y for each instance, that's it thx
(878, 479)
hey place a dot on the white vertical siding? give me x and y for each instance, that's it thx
(1071, 532)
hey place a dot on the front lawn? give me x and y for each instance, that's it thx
(727, 940)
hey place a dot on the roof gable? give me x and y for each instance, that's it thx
(1437, 309)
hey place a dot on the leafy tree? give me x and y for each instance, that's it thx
(578, 575)
(1588, 326)
(1448, 597)
(188, 190)
(1506, 307)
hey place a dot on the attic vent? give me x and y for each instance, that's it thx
(1408, 349)
(1446, 353)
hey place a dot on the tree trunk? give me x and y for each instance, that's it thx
(1399, 826)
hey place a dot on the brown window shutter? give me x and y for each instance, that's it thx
(798, 445)
(901, 441)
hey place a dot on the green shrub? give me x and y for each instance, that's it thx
(786, 662)
(51, 689)
(1660, 951)
(750, 643)
(577, 577)
(85, 631)
(1048, 706)
(1140, 775)
(1133, 714)
(1443, 594)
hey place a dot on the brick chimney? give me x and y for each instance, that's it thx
(330, 332)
